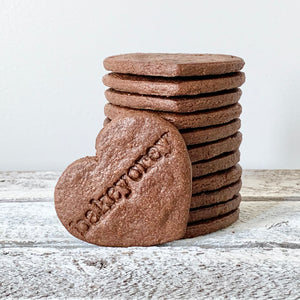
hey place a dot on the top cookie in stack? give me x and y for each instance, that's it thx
(173, 65)
(199, 94)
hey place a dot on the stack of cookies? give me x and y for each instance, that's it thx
(198, 94)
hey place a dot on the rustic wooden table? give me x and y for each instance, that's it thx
(257, 257)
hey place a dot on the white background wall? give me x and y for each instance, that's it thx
(51, 52)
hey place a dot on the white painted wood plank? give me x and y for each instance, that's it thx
(27, 186)
(156, 273)
(262, 224)
(257, 185)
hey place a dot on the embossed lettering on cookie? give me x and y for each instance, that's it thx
(136, 191)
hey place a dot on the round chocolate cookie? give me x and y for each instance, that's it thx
(213, 149)
(136, 191)
(183, 104)
(212, 211)
(177, 86)
(216, 180)
(215, 164)
(173, 64)
(194, 136)
(202, 135)
(212, 197)
(211, 225)
(188, 120)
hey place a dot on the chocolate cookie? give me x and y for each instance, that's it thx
(215, 164)
(202, 135)
(212, 197)
(106, 121)
(173, 64)
(216, 180)
(188, 120)
(136, 191)
(183, 104)
(212, 211)
(211, 225)
(177, 86)
(212, 149)
(194, 136)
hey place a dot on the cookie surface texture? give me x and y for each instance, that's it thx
(219, 163)
(209, 134)
(214, 211)
(173, 64)
(177, 86)
(212, 149)
(181, 104)
(188, 120)
(194, 136)
(220, 195)
(217, 180)
(211, 225)
(136, 191)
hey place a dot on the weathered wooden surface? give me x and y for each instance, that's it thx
(160, 273)
(257, 257)
(257, 185)
(271, 185)
(270, 224)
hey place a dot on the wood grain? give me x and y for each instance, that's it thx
(156, 273)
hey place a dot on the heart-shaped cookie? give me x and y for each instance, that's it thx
(136, 191)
